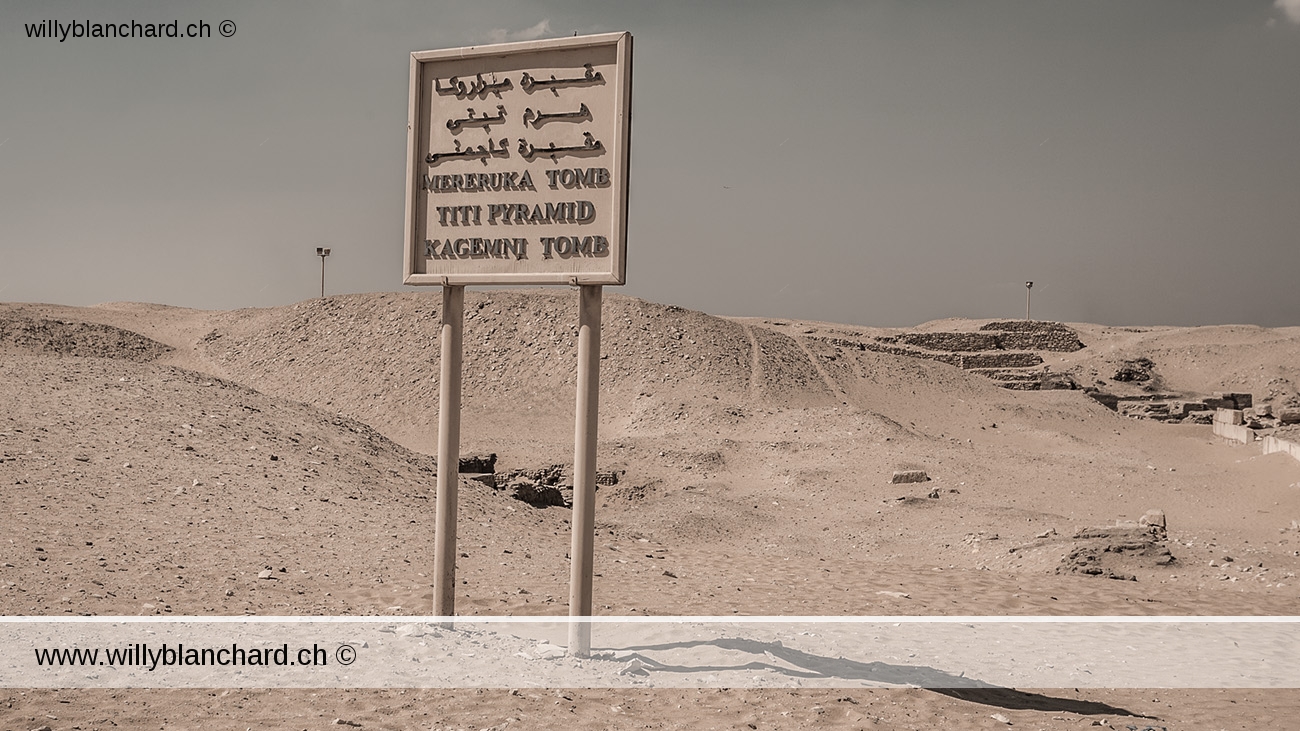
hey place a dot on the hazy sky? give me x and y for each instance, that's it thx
(880, 163)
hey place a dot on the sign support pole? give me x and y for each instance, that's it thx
(582, 551)
(444, 552)
(446, 222)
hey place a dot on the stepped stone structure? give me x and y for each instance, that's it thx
(1002, 351)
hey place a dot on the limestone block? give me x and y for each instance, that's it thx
(1153, 517)
(1229, 416)
(904, 476)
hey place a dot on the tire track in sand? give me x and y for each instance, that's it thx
(755, 363)
(831, 385)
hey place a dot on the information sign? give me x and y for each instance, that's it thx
(517, 163)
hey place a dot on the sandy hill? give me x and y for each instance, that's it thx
(753, 461)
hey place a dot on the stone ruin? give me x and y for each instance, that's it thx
(1188, 409)
(551, 485)
(1005, 351)
(1113, 552)
(1137, 370)
(1170, 407)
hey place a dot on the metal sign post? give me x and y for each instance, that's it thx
(444, 551)
(517, 174)
(582, 552)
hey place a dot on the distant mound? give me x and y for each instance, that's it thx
(78, 339)
(376, 357)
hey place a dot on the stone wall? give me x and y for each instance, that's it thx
(1231, 400)
(1234, 432)
(999, 360)
(1047, 336)
(882, 346)
(1227, 424)
(1275, 444)
(1035, 335)
(967, 361)
(953, 341)
(1023, 326)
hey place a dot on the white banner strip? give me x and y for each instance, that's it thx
(650, 652)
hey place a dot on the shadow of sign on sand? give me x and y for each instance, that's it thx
(800, 664)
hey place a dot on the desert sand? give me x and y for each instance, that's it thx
(155, 460)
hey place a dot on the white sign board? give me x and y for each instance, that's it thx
(517, 160)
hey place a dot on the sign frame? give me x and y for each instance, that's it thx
(423, 66)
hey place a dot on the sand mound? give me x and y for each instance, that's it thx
(663, 368)
(170, 490)
(79, 339)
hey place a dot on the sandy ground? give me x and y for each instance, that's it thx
(754, 464)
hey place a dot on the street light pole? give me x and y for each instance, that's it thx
(1029, 288)
(322, 253)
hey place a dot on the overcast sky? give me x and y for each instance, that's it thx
(877, 163)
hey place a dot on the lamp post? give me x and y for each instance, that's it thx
(322, 253)
(1029, 288)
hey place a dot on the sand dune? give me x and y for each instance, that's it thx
(753, 458)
